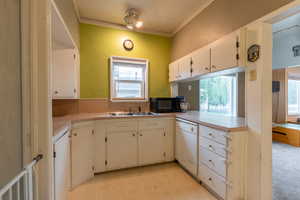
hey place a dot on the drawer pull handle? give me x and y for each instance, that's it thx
(212, 148)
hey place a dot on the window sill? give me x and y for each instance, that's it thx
(128, 100)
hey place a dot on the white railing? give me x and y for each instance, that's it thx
(21, 187)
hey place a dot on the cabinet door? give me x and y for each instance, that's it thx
(64, 73)
(151, 146)
(184, 68)
(122, 150)
(178, 146)
(82, 147)
(172, 75)
(62, 168)
(201, 61)
(224, 53)
(100, 149)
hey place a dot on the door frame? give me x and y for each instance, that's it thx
(260, 123)
(36, 96)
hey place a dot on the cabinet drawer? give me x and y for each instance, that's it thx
(152, 124)
(212, 180)
(215, 147)
(120, 126)
(187, 127)
(213, 134)
(213, 161)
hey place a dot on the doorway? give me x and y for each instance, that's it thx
(286, 108)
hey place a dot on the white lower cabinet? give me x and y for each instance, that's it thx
(125, 143)
(62, 167)
(122, 150)
(82, 152)
(221, 161)
(186, 145)
(151, 146)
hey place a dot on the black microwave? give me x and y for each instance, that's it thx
(166, 105)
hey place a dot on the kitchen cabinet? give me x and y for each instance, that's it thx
(83, 152)
(122, 150)
(173, 70)
(62, 167)
(221, 161)
(100, 148)
(65, 73)
(185, 67)
(228, 52)
(201, 61)
(151, 146)
(187, 145)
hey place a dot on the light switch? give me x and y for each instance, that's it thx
(189, 87)
(252, 75)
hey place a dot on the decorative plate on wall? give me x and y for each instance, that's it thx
(128, 45)
(253, 53)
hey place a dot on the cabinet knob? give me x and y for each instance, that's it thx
(75, 134)
(214, 66)
(206, 68)
(210, 179)
(133, 135)
(141, 134)
(55, 92)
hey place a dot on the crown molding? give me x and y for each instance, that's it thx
(120, 27)
(76, 8)
(188, 20)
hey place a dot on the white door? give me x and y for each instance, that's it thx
(122, 150)
(151, 146)
(62, 168)
(201, 61)
(100, 149)
(64, 73)
(224, 53)
(184, 67)
(82, 148)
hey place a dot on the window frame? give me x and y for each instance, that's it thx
(234, 98)
(145, 83)
(298, 98)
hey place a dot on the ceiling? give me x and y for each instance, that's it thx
(159, 16)
(286, 24)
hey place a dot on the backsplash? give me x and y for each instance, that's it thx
(61, 107)
(190, 90)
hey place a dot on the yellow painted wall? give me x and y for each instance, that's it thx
(97, 44)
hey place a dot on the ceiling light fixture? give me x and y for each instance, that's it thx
(132, 19)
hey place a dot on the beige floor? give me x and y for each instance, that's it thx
(160, 182)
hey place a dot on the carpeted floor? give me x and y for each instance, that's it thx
(286, 172)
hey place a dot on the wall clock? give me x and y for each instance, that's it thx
(128, 45)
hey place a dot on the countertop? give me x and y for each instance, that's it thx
(224, 123)
(221, 122)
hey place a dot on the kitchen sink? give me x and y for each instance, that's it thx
(133, 114)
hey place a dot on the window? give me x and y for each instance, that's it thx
(129, 79)
(219, 95)
(293, 97)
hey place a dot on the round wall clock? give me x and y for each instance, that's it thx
(128, 45)
(253, 53)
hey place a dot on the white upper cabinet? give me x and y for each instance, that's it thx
(185, 67)
(65, 60)
(65, 73)
(227, 52)
(201, 61)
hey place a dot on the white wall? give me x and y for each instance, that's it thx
(283, 43)
(10, 91)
